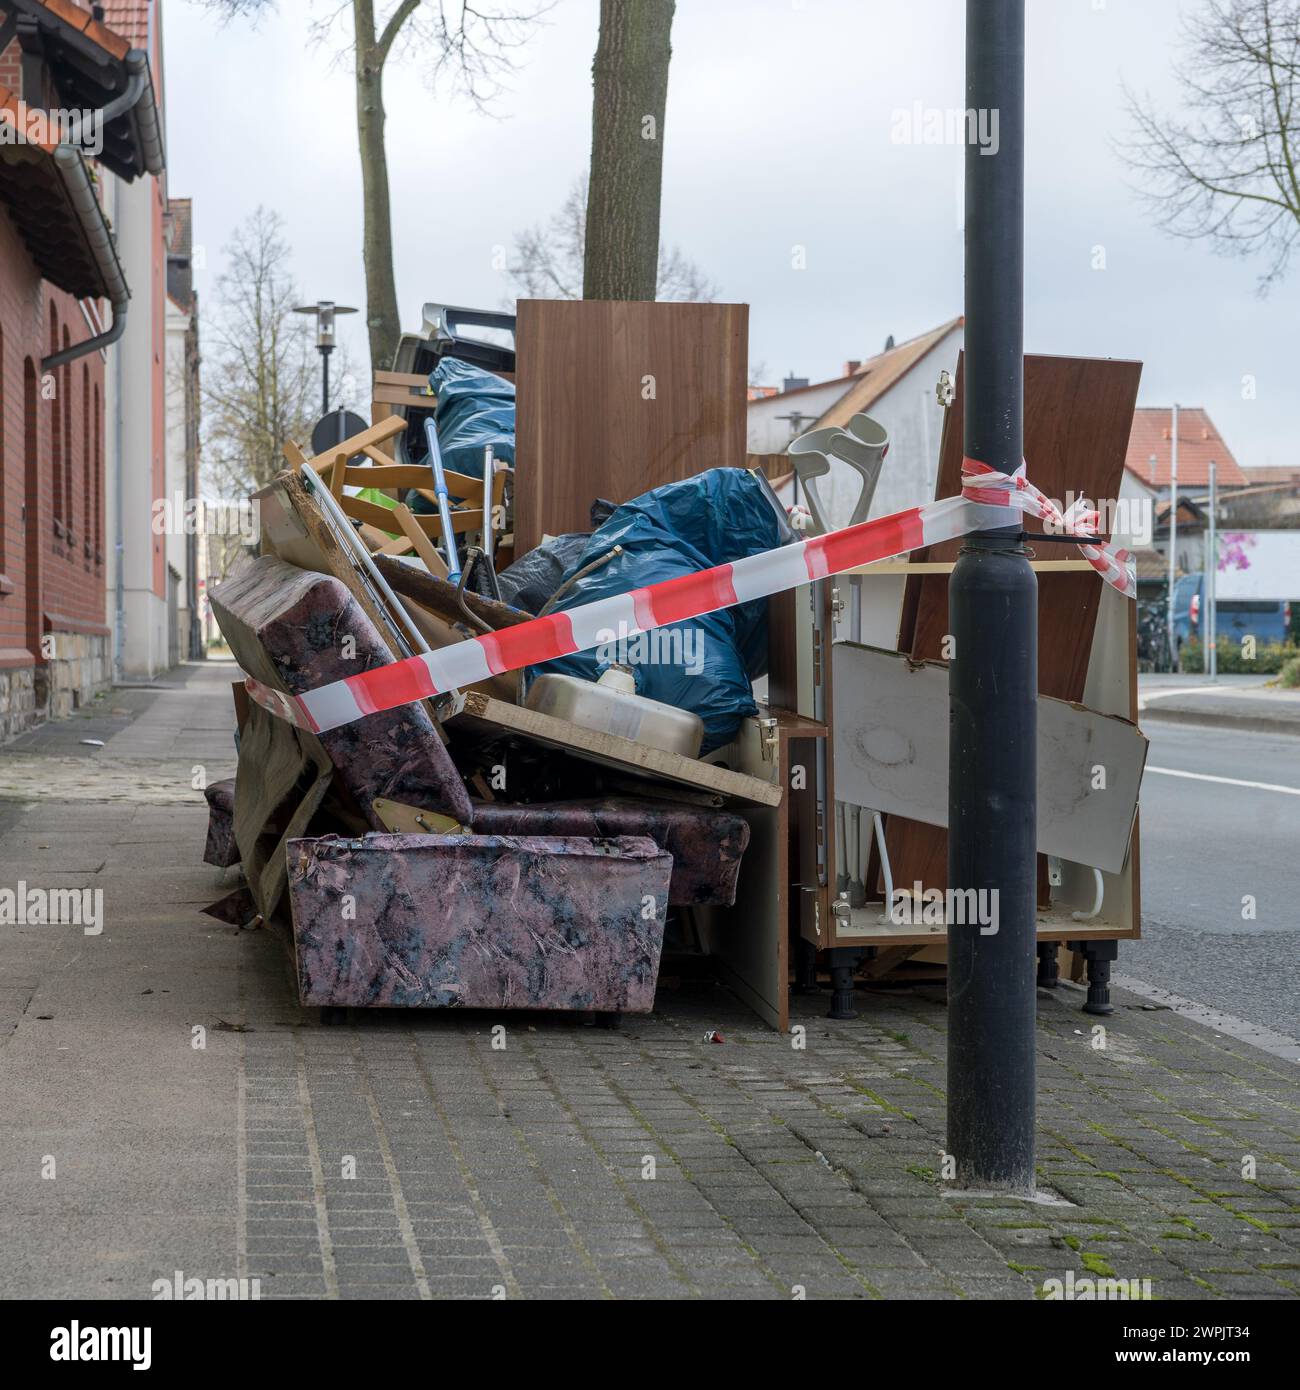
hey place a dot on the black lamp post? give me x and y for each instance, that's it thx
(324, 311)
(993, 674)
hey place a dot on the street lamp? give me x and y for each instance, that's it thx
(324, 311)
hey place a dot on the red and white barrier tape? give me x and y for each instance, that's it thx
(986, 495)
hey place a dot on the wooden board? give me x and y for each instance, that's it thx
(1078, 415)
(615, 398)
(891, 754)
(607, 749)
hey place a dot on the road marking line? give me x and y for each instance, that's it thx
(1227, 781)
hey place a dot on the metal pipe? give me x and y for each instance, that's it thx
(76, 183)
(993, 674)
(136, 80)
(887, 873)
(365, 566)
(489, 474)
(573, 579)
(1173, 532)
(119, 547)
(444, 501)
(1211, 643)
(472, 557)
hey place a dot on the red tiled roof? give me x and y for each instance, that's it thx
(79, 19)
(1198, 443)
(130, 18)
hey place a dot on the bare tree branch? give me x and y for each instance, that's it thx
(469, 46)
(548, 260)
(1225, 171)
(261, 377)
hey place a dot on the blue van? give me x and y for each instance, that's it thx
(1267, 620)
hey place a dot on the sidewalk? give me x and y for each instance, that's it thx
(573, 1162)
(1240, 702)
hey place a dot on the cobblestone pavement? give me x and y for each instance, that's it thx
(478, 1156)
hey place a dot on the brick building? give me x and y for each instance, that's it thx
(77, 108)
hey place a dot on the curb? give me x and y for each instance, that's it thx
(1248, 723)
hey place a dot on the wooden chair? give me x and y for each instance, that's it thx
(398, 530)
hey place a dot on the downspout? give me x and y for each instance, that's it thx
(119, 549)
(76, 183)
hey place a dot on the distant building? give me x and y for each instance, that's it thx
(897, 388)
(143, 594)
(1150, 450)
(181, 445)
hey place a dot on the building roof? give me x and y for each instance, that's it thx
(180, 274)
(85, 24)
(876, 375)
(1199, 442)
(1150, 564)
(1274, 473)
(89, 66)
(130, 18)
(47, 192)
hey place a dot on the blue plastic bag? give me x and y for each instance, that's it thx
(475, 408)
(706, 664)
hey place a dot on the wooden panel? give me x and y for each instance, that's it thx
(1078, 415)
(585, 427)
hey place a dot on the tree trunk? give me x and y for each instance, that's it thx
(630, 78)
(382, 322)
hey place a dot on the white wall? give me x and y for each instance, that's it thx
(1134, 518)
(911, 413)
(768, 435)
(140, 641)
(174, 387)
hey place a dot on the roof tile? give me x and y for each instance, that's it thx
(1199, 442)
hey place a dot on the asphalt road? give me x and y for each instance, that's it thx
(1206, 846)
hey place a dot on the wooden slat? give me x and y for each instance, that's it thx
(439, 596)
(396, 545)
(406, 380)
(374, 434)
(422, 545)
(369, 512)
(389, 474)
(620, 752)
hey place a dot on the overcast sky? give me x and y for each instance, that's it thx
(778, 134)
